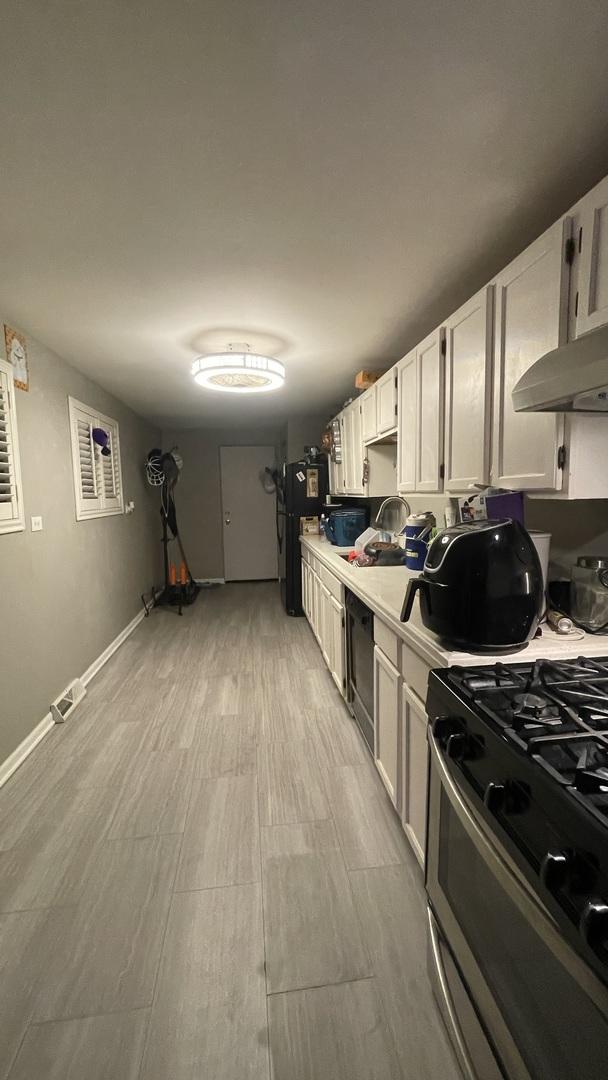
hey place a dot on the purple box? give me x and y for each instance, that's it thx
(509, 505)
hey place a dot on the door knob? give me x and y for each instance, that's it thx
(227, 517)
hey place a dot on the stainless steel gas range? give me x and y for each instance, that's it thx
(517, 867)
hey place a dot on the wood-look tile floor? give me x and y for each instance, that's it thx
(201, 875)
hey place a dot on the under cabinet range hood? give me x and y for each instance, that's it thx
(571, 378)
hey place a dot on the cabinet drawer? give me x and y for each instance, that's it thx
(306, 555)
(331, 582)
(415, 671)
(386, 640)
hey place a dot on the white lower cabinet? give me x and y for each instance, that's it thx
(337, 665)
(325, 640)
(325, 614)
(414, 770)
(400, 720)
(306, 589)
(387, 681)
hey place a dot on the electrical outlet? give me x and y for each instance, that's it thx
(36, 524)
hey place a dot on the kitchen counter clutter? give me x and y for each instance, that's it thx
(385, 683)
(382, 588)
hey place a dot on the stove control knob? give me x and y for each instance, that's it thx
(444, 726)
(457, 745)
(494, 797)
(594, 925)
(554, 870)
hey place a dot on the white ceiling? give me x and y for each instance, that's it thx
(325, 180)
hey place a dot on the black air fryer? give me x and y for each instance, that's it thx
(481, 588)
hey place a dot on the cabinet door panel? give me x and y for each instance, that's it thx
(386, 400)
(406, 430)
(325, 627)
(368, 415)
(358, 452)
(387, 719)
(348, 448)
(469, 348)
(430, 399)
(337, 630)
(593, 291)
(531, 317)
(414, 770)
(305, 603)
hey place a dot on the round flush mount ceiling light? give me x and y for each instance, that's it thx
(238, 371)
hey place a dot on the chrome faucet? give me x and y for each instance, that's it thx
(394, 525)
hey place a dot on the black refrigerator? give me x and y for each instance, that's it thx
(301, 491)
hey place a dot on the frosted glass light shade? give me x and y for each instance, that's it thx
(238, 372)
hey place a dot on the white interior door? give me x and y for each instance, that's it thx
(248, 514)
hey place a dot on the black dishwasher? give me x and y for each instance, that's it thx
(360, 664)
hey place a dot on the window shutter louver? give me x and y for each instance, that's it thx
(111, 469)
(11, 514)
(86, 458)
(96, 476)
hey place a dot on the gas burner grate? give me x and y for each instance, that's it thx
(574, 760)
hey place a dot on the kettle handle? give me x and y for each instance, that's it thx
(413, 586)
(329, 530)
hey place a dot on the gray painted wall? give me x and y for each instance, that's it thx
(198, 494)
(69, 590)
(304, 431)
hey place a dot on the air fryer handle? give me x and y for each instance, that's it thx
(414, 585)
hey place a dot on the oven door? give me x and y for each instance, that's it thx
(544, 1012)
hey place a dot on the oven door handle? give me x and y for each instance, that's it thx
(514, 884)
(465, 1059)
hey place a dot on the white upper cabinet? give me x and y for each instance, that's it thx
(353, 451)
(430, 356)
(469, 348)
(592, 307)
(357, 450)
(386, 402)
(368, 415)
(347, 445)
(406, 434)
(531, 319)
(336, 476)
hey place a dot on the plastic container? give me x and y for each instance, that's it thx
(366, 537)
(542, 543)
(417, 535)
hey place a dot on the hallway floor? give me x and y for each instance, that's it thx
(201, 875)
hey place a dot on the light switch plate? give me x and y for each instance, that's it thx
(36, 524)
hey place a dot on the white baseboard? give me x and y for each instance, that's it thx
(103, 658)
(210, 580)
(18, 756)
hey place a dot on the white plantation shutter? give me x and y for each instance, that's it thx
(86, 462)
(11, 498)
(110, 468)
(97, 478)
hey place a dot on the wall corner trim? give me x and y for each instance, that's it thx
(21, 752)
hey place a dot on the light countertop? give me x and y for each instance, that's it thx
(382, 588)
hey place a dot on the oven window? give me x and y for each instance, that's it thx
(559, 1032)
